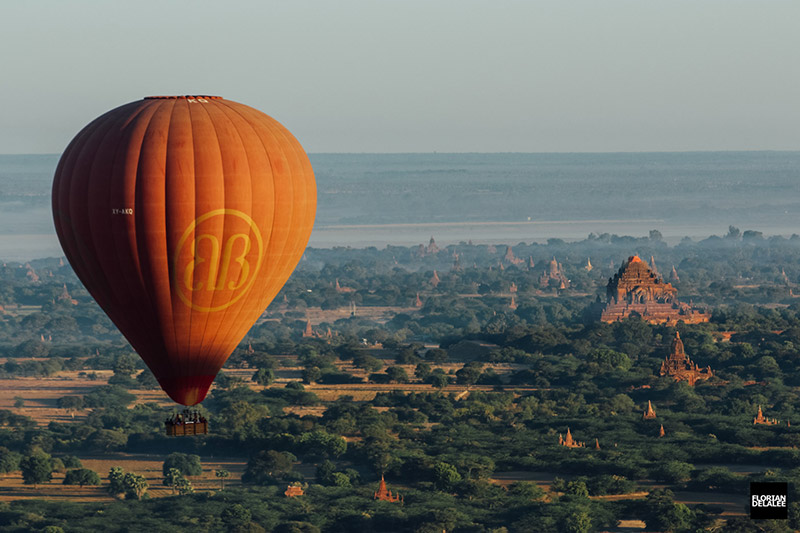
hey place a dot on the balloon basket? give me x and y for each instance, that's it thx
(186, 423)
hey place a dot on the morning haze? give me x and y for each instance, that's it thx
(447, 76)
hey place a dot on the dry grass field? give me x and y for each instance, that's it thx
(12, 487)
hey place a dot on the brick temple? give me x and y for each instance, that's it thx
(385, 494)
(680, 367)
(637, 290)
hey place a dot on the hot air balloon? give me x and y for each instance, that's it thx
(184, 216)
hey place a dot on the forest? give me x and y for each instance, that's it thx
(482, 363)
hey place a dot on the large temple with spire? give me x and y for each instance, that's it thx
(678, 365)
(636, 289)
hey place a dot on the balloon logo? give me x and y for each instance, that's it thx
(184, 216)
(211, 271)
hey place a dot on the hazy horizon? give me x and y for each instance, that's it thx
(418, 77)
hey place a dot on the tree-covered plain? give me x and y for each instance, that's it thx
(496, 387)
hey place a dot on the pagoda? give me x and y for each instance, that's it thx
(553, 275)
(650, 413)
(435, 279)
(385, 494)
(65, 296)
(569, 442)
(680, 367)
(588, 267)
(661, 431)
(511, 259)
(673, 276)
(760, 419)
(513, 304)
(432, 248)
(417, 302)
(308, 332)
(637, 289)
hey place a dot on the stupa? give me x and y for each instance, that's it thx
(385, 494)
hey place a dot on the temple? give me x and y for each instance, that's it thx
(760, 419)
(294, 490)
(569, 442)
(511, 259)
(650, 413)
(385, 494)
(435, 279)
(636, 290)
(680, 367)
(661, 431)
(553, 276)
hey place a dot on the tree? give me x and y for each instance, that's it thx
(438, 380)
(81, 476)
(9, 461)
(397, 374)
(661, 513)
(311, 374)
(469, 373)
(116, 483)
(526, 490)
(236, 516)
(187, 465)
(445, 476)
(147, 380)
(36, 469)
(578, 522)
(436, 355)
(125, 365)
(135, 486)
(221, 474)
(71, 403)
(422, 371)
(173, 478)
(264, 376)
(268, 465)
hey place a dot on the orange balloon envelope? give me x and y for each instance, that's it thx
(184, 216)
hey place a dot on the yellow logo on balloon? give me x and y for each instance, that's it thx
(213, 268)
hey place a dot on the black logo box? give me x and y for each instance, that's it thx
(769, 500)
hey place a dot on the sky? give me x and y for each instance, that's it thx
(419, 75)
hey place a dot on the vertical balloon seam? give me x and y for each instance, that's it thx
(275, 176)
(79, 195)
(287, 178)
(197, 356)
(188, 359)
(289, 257)
(85, 270)
(117, 177)
(182, 352)
(224, 320)
(164, 107)
(142, 112)
(62, 221)
(117, 140)
(278, 271)
(176, 127)
(166, 364)
(247, 302)
(156, 364)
